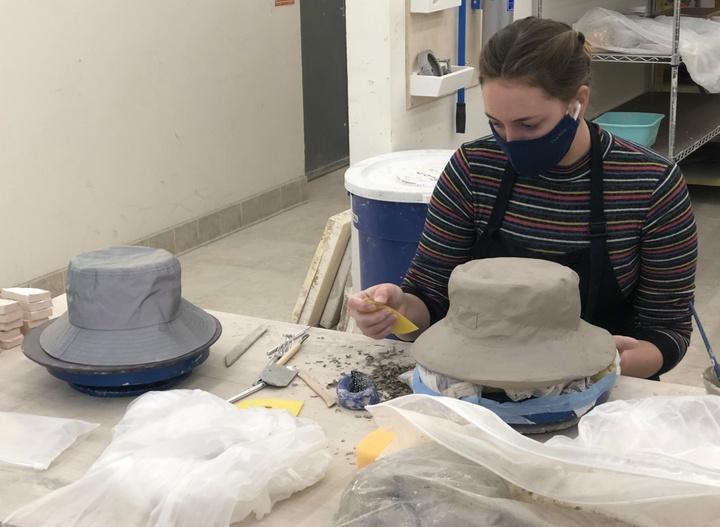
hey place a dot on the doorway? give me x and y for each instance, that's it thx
(325, 94)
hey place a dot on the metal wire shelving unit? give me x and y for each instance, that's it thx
(693, 119)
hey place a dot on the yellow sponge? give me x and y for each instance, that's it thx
(372, 445)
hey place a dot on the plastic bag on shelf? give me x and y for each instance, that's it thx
(699, 43)
(35, 441)
(645, 462)
(185, 458)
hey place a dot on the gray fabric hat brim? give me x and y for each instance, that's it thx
(192, 329)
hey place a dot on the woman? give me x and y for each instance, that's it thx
(550, 185)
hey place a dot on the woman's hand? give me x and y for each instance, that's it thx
(638, 358)
(373, 321)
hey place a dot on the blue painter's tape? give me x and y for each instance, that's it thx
(541, 410)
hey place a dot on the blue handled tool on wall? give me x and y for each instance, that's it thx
(496, 15)
(460, 106)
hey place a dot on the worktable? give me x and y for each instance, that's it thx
(326, 355)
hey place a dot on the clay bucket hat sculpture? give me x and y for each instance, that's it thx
(514, 323)
(125, 308)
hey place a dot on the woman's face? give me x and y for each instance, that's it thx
(520, 112)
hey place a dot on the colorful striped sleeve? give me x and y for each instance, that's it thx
(668, 258)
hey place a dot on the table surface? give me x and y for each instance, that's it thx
(326, 355)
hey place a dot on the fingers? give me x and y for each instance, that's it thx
(377, 325)
(381, 293)
(372, 321)
(389, 294)
(623, 343)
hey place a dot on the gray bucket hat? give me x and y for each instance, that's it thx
(125, 309)
(514, 323)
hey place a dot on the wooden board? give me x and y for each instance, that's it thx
(344, 312)
(307, 284)
(318, 282)
(331, 314)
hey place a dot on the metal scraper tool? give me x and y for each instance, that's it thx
(274, 374)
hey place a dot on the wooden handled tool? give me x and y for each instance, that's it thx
(242, 346)
(293, 350)
(315, 386)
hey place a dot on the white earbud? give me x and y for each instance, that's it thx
(576, 109)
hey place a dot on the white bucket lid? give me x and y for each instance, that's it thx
(407, 177)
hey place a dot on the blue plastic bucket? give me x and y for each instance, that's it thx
(389, 196)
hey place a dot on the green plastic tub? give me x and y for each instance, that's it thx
(640, 127)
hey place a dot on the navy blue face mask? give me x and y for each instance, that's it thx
(535, 156)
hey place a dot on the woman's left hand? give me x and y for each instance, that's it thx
(638, 358)
(623, 344)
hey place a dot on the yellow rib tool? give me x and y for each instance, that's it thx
(403, 324)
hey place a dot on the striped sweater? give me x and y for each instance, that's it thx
(652, 239)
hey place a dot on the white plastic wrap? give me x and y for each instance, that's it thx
(429, 486)
(685, 429)
(699, 43)
(650, 463)
(186, 458)
(35, 441)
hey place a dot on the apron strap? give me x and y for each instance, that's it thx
(597, 228)
(498, 212)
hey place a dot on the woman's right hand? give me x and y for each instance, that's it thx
(373, 321)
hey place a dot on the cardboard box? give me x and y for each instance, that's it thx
(10, 343)
(10, 317)
(11, 325)
(25, 294)
(27, 325)
(10, 334)
(37, 315)
(36, 306)
(8, 306)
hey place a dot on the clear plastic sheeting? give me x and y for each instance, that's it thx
(34, 441)
(648, 463)
(428, 486)
(680, 429)
(186, 458)
(699, 43)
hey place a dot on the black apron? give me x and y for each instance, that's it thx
(603, 303)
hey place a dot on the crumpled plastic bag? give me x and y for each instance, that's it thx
(34, 441)
(185, 458)
(699, 43)
(429, 485)
(683, 429)
(649, 463)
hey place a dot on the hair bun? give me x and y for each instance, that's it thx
(581, 38)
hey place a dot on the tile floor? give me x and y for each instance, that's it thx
(259, 271)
